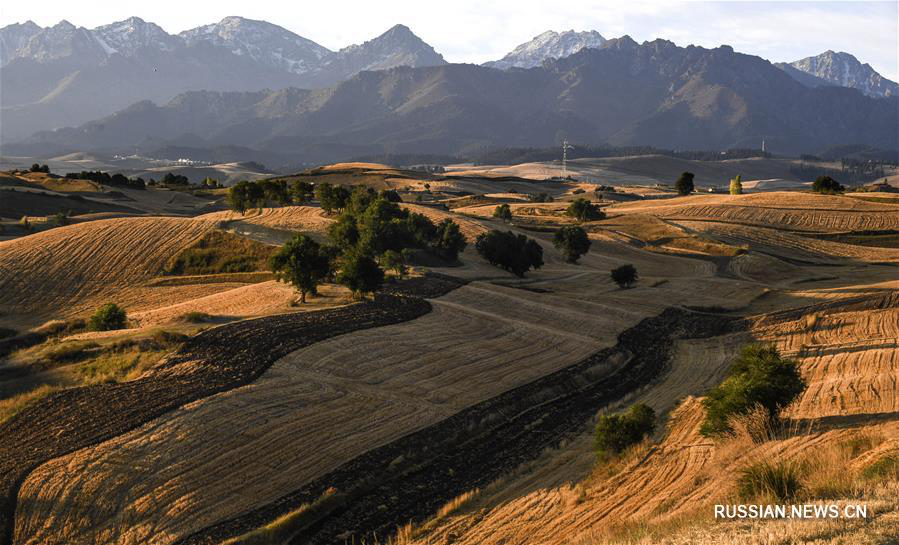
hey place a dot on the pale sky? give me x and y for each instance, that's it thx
(478, 31)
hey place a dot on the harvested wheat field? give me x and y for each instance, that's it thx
(69, 271)
(463, 406)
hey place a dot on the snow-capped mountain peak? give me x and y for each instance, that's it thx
(126, 37)
(548, 45)
(840, 68)
(263, 42)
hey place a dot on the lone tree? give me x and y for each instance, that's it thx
(684, 184)
(514, 253)
(624, 276)
(616, 432)
(360, 273)
(449, 240)
(584, 210)
(503, 212)
(572, 241)
(827, 185)
(302, 263)
(736, 187)
(759, 377)
(108, 317)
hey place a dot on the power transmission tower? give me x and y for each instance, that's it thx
(565, 148)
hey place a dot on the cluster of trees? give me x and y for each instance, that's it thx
(827, 185)
(584, 210)
(40, 168)
(371, 232)
(513, 156)
(616, 432)
(514, 253)
(540, 197)
(684, 183)
(759, 377)
(114, 180)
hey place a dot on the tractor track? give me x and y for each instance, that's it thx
(412, 477)
(214, 361)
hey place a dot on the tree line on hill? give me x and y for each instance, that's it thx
(114, 180)
(511, 156)
(370, 233)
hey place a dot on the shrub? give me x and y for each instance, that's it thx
(684, 183)
(883, 469)
(781, 481)
(624, 276)
(583, 210)
(503, 212)
(736, 186)
(514, 253)
(108, 317)
(61, 218)
(572, 241)
(301, 263)
(195, 317)
(616, 432)
(827, 185)
(759, 377)
(69, 352)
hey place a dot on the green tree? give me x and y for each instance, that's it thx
(624, 276)
(391, 195)
(514, 253)
(245, 195)
(540, 197)
(449, 241)
(827, 185)
(684, 183)
(583, 210)
(395, 261)
(301, 263)
(736, 187)
(759, 377)
(616, 432)
(503, 212)
(332, 198)
(572, 241)
(108, 317)
(301, 192)
(360, 274)
(275, 191)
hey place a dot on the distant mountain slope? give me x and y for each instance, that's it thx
(65, 75)
(651, 94)
(844, 70)
(549, 45)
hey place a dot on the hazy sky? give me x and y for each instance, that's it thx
(477, 31)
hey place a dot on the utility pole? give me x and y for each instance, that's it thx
(565, 148)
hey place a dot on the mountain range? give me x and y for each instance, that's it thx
(662, 95)
(65, 75)
(250, 86)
